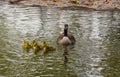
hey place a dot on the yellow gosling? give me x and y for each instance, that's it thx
(33, 43)
(44, 44)
(47, 48)
(26, 46)
(36, 47)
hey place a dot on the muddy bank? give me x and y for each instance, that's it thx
(72, 4)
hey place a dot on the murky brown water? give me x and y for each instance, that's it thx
(95, 54)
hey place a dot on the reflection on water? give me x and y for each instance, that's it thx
(111, 63)
(96, 53)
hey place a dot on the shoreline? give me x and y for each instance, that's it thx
(95, 5)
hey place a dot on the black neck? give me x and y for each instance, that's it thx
(65, 32)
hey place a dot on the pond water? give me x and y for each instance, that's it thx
(95, 54)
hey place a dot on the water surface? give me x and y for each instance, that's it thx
(95, 54)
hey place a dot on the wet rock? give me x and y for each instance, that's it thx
(14, 1)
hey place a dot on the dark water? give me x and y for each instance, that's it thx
(95, 54)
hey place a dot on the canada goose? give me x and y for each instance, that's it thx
(66, 38)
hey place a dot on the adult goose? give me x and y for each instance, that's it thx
(66, 38)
